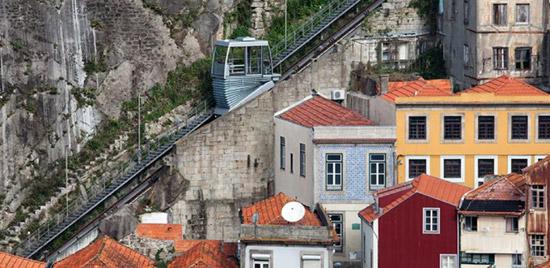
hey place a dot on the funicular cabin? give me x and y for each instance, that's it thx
(241, 70)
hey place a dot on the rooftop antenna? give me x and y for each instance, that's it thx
(293, 211)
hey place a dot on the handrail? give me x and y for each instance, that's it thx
(309, 29)
(78, 208)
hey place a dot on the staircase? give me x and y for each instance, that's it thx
(313, 27)
(76, 211)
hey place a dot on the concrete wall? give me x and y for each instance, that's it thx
(284, 256)
(293, 184)
(214, 159)
(377, 109)
(491, 238)
(352, 238)
(481, 35)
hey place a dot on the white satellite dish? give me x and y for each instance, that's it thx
(293, 211)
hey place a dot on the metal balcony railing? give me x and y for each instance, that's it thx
(78, 209)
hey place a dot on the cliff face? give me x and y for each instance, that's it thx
(66, 66)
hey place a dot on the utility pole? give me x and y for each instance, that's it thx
(139, 128)
(286, 23)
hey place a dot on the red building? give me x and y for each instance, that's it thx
(413, 225)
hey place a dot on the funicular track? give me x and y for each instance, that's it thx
(321, 32)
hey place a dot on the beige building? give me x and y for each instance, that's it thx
(486, 39)
(493, 224)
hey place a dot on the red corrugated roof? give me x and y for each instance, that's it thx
(507, 86)
(205, 253)
(420, 87)
(160, 231)
(318, 111)
(499, 189)
(105, 252)
(12, 261)
(269, 211)
(433, 187)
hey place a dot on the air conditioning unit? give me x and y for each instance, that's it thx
(338, 94)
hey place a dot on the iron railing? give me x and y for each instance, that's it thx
(98, 193)
(300, 36)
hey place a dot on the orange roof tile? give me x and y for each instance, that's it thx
(12, 261)
(420, 87)
(105, 252)
(205, 254)
(506, 86)
(160, 231)
(269, 211)
(499, 189)
(544, 265)
(319, 111)
(433, 187)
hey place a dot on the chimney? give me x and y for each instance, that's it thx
(384, 82)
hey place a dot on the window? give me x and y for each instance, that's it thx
(544, 127)
(469, 258)
(431, 221)
(520, 127)
(500, 58)
(377, 171)
(282, 151)
(452, 167)
(512, 224)
(537, 245)
(302, 160)
(523, 58)
(485, 166)
(417, 166)
(517, 260)
(522, 13)
(452, 127)
(466, 55)
(417, 128)
(338, 224)
(517, 163)
(466, 11)
(291, 163)
(485, 127)
(260, 263)
(537, 196)
(470, 224)
(311, 261)
(334, 171)
(500, 14)
(540, 157)
(448, 261)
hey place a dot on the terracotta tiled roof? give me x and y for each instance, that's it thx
(318, 111)
(433, 187)
(160, 231)
(12, 261)
(498, 189)
(506, 86)
(544, 265)
(205, 254)
(538, 172)
(105, 252)
(420, 87)
(269, 211)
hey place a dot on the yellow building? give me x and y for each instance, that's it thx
(499, 127)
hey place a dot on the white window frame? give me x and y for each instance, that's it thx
(416, 157)
(334, 186)
(311, 257)
(528, 14)
(424, 231)
(377, 162)
(520, 258)
(510, 157)
(543, 244)
(452, 157)
(442, 256)
(495, 166)
(543, 197)
(340, 247)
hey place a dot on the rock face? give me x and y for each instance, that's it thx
(52, 50)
